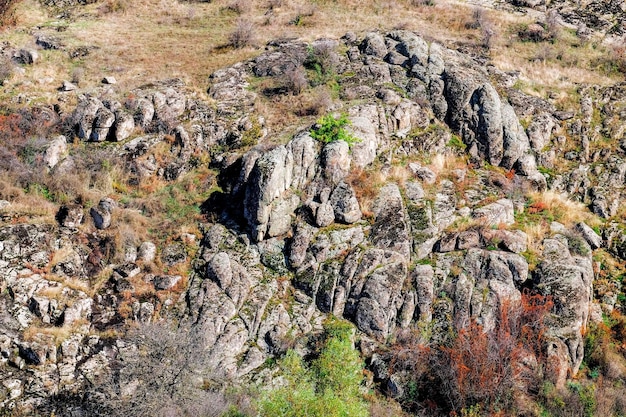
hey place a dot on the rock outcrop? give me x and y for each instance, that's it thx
(385, 232)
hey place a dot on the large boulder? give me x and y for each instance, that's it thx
(123, 126)
(375, 294)
(345, 204)
(566, 275)
(84, 116)
(374, 44)
(390, 229)
(102, 124)
(70, 215)
(101, 215)
(270, 177)
(55, 151)
(336, 161)
(266, 180)
(494, 214)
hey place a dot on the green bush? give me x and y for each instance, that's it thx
(329, 387)
(457, 143)
(329, 129)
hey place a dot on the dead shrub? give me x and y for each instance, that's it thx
(488, 36)
(478, 19)
(478, 368)
(552, 25)
(22, 143)
(481, 21)
(6, 68)
(240, 6)
(295, 81)
(534, 32)
(77, 75)
(315, 104)
(6, 12)
(243, 35)
(113, 6)
(614, 60)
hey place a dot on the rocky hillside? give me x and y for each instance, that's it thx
(161, 247)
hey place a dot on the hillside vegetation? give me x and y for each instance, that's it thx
(312, 208)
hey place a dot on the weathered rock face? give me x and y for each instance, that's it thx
(270, 184)
(301, 234)
(30, 298)
(566, 274)
(227, 302)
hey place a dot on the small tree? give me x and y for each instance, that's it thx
(329, 387)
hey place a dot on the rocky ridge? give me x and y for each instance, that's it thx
(295, 239)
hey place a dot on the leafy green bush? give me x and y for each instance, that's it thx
(329, 129)
(328, 387)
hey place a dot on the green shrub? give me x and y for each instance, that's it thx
(329, 129)
(329, 387)
(251, 136)
(578, 245)
(322, 60)
(457, 143)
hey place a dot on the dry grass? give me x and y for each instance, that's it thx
(31, 209)
(546, 207)
(61, 255)
(442, 164)
(535, 234)
(160, 39)
(97, 282)
(399, 174)
(51, 292)
(366, 185)
(564, 210)
(58, 334)
(190, 40)
(71, 283)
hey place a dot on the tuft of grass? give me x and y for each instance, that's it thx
(555, 206)
(58, 334)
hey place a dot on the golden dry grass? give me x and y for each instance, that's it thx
(141, 41)
(57, 334)
(442, 164)
(551, 206)
(71, 283)
(157, 39)
(564, 210)
(31, 208)
(61, 255)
